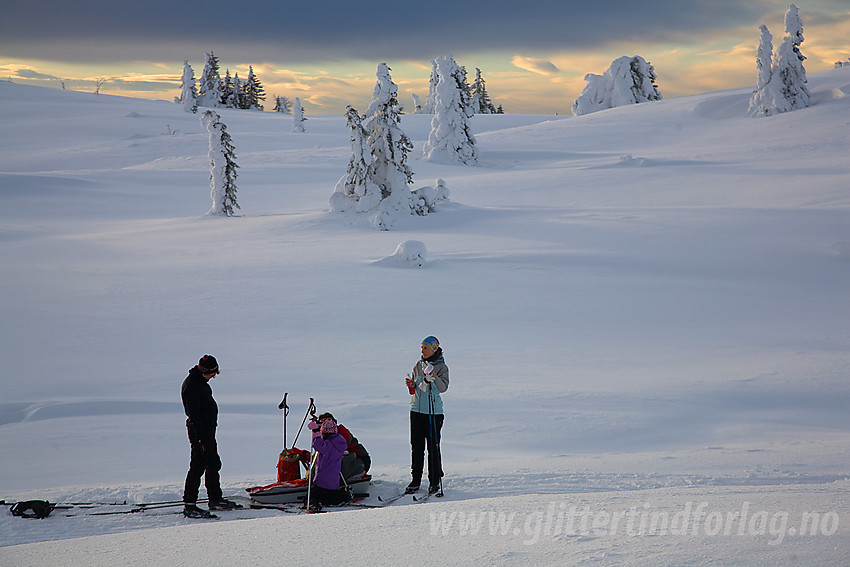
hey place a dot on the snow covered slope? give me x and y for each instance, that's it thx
(641, 308)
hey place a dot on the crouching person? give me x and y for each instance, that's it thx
(330, 446)
(356, 460)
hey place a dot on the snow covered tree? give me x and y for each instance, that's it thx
(428, 107)
(188, 90)
(282, 105)
(417, 103)
(481, 103)
(209, 90)
(253, 91)
(297, 116)
(228, 97)
(389, 147)
(782, 86)
(761, 101)
(237, 96)
(425, 199)
(629, 80)
(789, 71)
(451, 139)
(377, 179)
(222, 166)
(355, 190)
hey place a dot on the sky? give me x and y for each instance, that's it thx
(533, 54)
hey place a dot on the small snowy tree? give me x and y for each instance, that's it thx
(629, 80)
(355, 190)
(210, 89)
(188, 91)
(789, 71)
(761, 102)
(227, 92)
(253, 91)
(481, 103)
(451, 139)
(417, 103)
(425, 199)
(222, 166)
(237, 97)
(428, 107)
(282, 105)
(298, 116)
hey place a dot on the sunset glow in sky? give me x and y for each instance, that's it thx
(533, 54)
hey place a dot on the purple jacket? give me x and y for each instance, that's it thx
(329, 460)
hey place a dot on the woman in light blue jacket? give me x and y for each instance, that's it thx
(430, 378)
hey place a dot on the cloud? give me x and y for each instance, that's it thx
(35, 75)
(17, 71)
(334, 29)
(535, 65)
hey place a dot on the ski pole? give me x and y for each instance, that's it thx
(311, 409)
(434, 437)
(282, 406)
(348, 491)
(310, 477)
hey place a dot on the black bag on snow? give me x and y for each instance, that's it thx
(32, 509)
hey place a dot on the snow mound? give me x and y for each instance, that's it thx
(629, 160)
(408, 254)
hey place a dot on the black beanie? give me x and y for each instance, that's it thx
(208, 364)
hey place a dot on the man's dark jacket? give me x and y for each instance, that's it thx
(201, 409)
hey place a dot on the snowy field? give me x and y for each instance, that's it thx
(644, 311)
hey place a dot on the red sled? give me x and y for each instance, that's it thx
(290, 487)
(292, 491)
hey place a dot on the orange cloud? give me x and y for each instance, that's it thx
(535, 65)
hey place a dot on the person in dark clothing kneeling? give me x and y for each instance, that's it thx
(202, 420)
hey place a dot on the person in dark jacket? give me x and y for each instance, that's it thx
(202, 420)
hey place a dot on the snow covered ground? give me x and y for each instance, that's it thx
(644, 311)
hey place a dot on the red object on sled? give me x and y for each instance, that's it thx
(287, 464)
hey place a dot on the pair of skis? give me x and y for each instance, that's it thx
(416, 497)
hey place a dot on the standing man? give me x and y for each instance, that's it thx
(202, 420)
(430, 379)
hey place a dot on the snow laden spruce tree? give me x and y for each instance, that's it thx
(389, 146)
(210, 89)
(355, 190)
(188, 90)
(481, 103)
(377, 181)
(222, 166)
(298, 116)
(451, 140)
(761, 102)
(781, 86)
(629, 80)
(789, 66)
(428, 107)
(227, 91)
(253, 92)
(282, 105)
